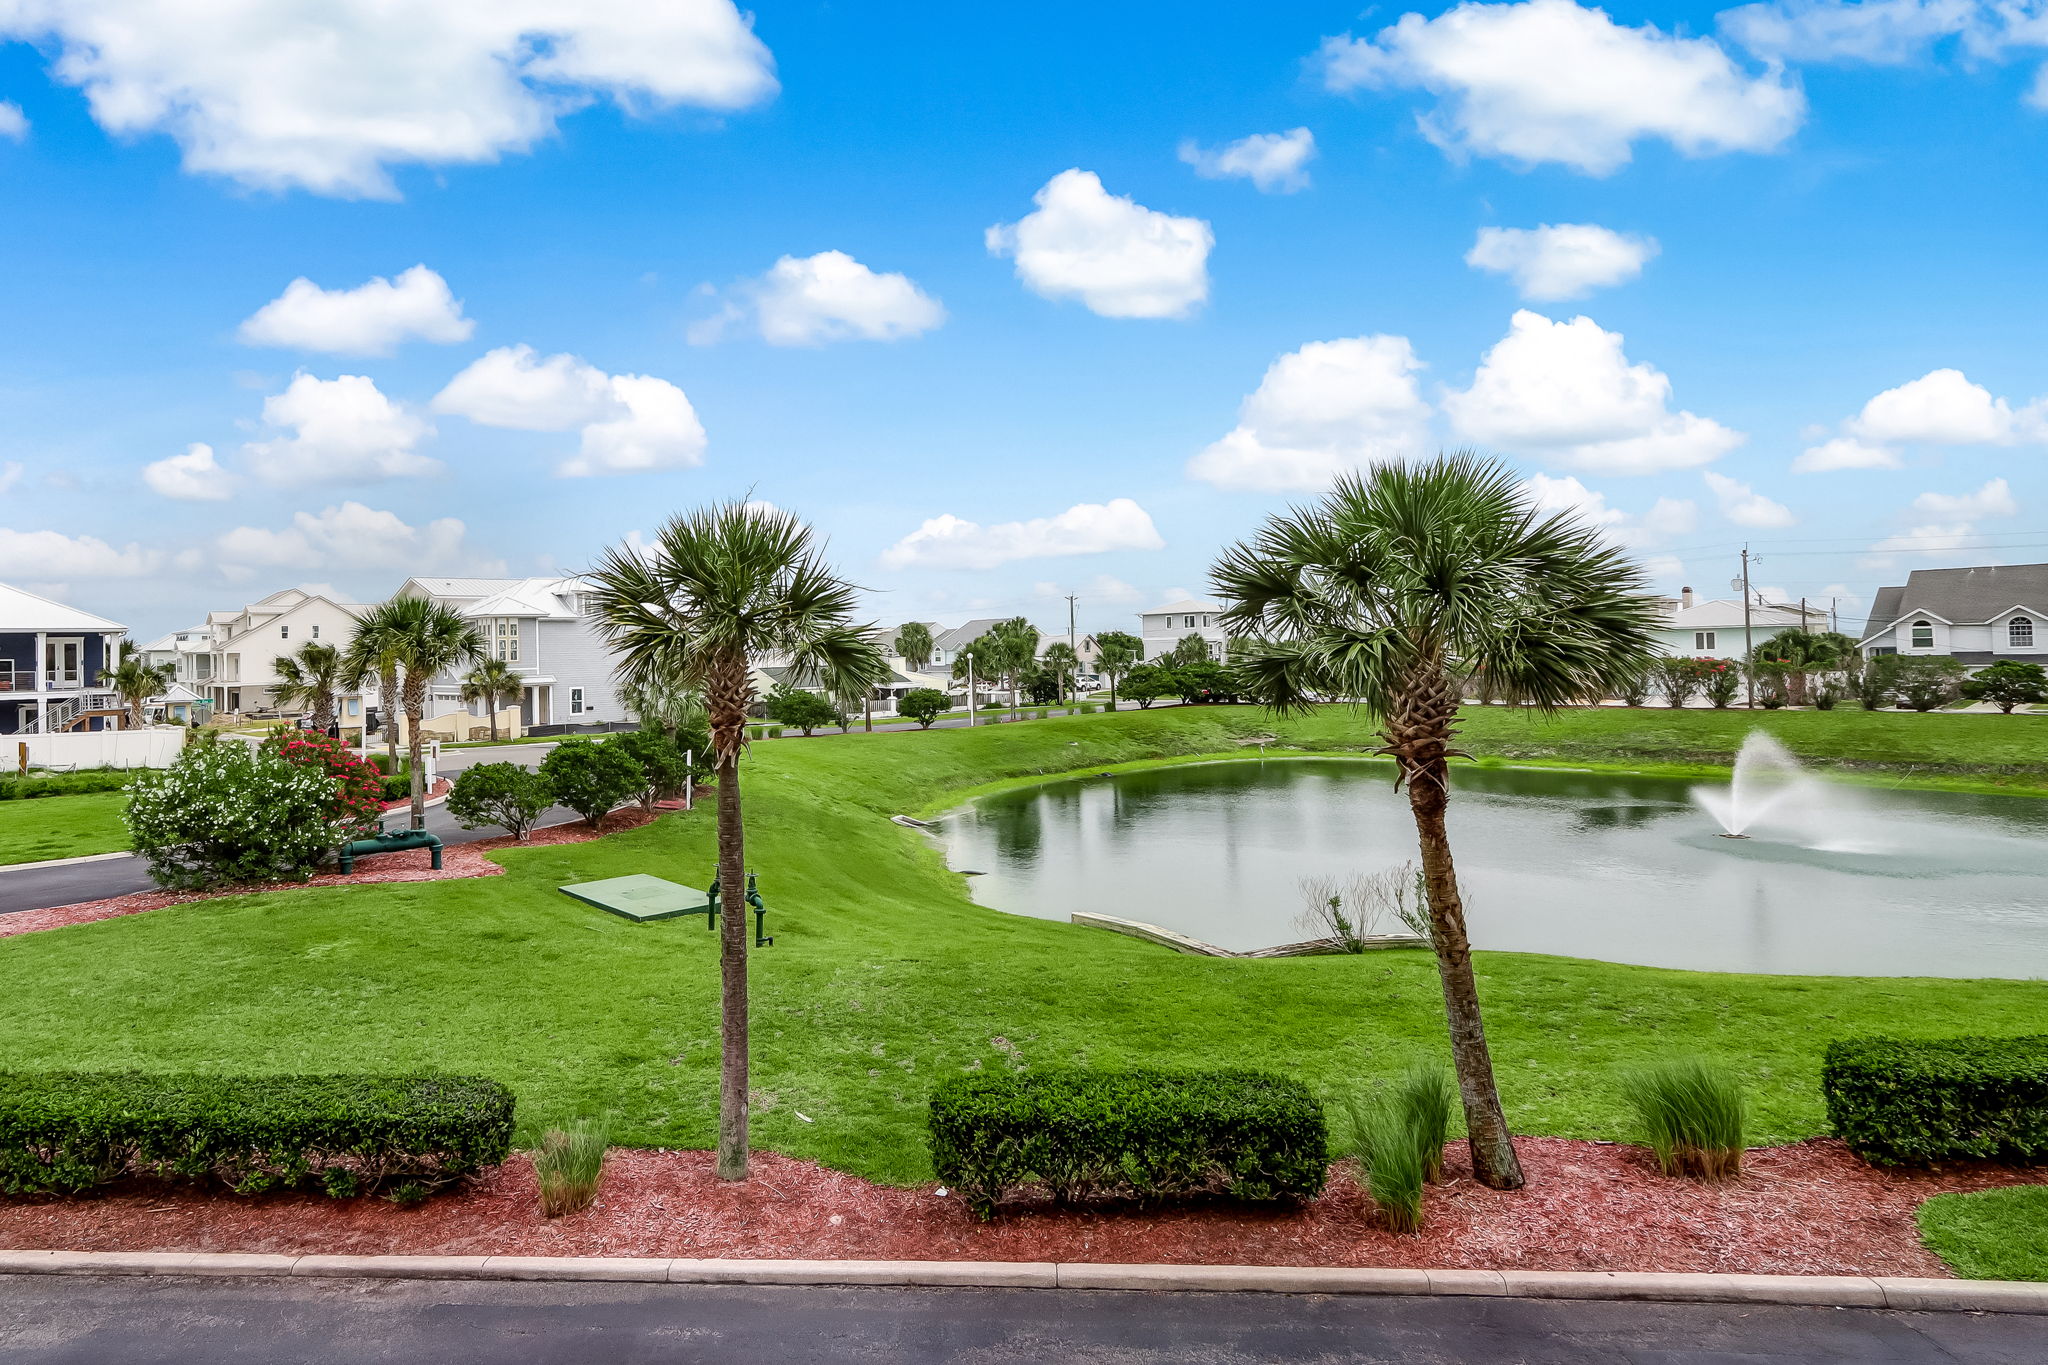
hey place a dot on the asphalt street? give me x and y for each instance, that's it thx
(78, 1320)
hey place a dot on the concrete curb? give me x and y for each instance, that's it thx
(65, 862)
(1828, 1291)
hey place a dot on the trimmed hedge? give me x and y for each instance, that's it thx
(16, 788)
(63, 1132)
(1914, 1102)
(1251, 1135)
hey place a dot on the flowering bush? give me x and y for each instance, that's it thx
(359, 789)
(225, 813)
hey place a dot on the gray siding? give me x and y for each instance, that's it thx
(575, 656)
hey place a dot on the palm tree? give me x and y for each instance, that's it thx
(421, 640)
(721, 589)
(370, 657)
(308, 679)
(914, 644)
(492, 682)
(1394, 590)
(1192, 649)
(1797, 654)
(135, 682)
(1006, 651)
(670, 705)
(1116, 651)
(1063, 663)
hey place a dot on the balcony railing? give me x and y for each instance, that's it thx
(17, 679)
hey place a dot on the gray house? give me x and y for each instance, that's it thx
(538, 626)
(1979, 616)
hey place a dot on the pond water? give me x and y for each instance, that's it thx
(1625, 869)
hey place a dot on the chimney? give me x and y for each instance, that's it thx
(1685, 598)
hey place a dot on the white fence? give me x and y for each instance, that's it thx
(155, 747)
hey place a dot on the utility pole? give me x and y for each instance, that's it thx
(1748, 636)
(1073, 646)
(1834, 618)
(1802, 618)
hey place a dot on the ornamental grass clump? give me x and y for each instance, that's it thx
(1425, 1097)
(570, 1165)
(1391, 1160)
(1694, 1113)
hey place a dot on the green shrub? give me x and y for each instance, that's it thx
(1990, 1234)
(2007, 684)
(775, 732)
(17, 788)
(63, 1132)
(223, 813)
(591, 778)
(924, 705)
(1693, 1113)
(1150, 1134)
(507, 794)
(398, 786)
(569, 1164)
(805, 710)
(386, 764)
(1389, 1152)
(1915, 1102)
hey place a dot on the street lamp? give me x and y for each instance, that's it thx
(970, 689)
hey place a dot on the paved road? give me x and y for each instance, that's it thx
(45, 1320)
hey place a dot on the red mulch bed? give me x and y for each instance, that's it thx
(408, 865)
(1806, 1209)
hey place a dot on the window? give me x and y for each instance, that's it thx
(1703, 639)
(2019, 632)
(1188, 622)
(501, 638)
(316, 632)
(284, 632)
(575, 701)
(1923, 635)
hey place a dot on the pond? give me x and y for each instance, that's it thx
(1620, 868)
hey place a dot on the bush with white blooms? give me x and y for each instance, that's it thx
(224, 813)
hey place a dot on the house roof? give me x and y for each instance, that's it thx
(462, 587)
(1725, 613)
(1964, 596)
(1197, 604)
(965, 634)
(20, 610)
(538, 597)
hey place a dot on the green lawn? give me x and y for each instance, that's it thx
(885, 977)
(62, 827)
(1992, 1234)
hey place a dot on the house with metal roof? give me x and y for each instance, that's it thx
(1163, 628)
(1979, 616)
(51, 658)
(1718, 628)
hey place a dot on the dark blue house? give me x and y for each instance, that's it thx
(51, 657)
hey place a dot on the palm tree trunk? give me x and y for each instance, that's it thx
(726, 697)
(492, 702)
(1419, 737)
(416, 748)
(387, 694)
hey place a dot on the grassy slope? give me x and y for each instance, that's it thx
(1992, 1234)
(62, 827)
(884, 976)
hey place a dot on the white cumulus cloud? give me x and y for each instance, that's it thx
(1566, 389)
(1328, 407)
(1745, 506)
(328, 95)
(1941, 407)
(192, 477)
(949, 542)
(370, 319)
(13, 123)
(1994, 499)
(49, 555)
(1844, 452)
(630, 423)
(352, 537)
(1551, 81)
(810, 300)
(1561, 260)
(341, 430)
(1119, 258)
(1274, 162)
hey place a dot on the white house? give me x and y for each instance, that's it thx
(51, 657)
(1979, 616)
(1162, 628)
(228, 660)
(540, 628)
(1714, 629)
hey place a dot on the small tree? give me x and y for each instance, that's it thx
(507, 794)
(1203, 681)
(1679, 678)
(308, 679)
(914, 644)
(591, 778)
(923, 705)
(2008, 683)
(1192, 649)
(135, 682)
(1040, 686)
(1722, 682)
(805, 710)
(358, 808)
(1632, 686)
(1116, 652)
(223, 814)
(1146, 683)
(1924, 682)
(1063, 663)
(1877, 682)
(492, 682)
(663, 770)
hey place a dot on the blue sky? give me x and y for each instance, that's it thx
(1805, 240)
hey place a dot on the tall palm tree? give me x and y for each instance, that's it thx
(492, 682)
(721, 589)
(421, 639)
(914, 644)
(1007, 650)
(308, 679)
(1116, 652)
(1061, 660)
(1802, 653)
(372, 656)
(135, 682)
(1394, 590)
